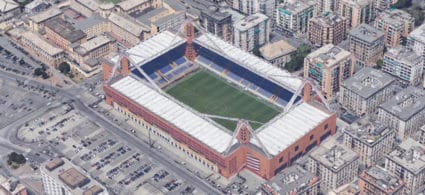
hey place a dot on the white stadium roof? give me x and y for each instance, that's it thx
(287, 128)
(166, 108)
(249, 61)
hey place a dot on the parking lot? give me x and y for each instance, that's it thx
(110, 161)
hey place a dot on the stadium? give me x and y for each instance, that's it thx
(217, 104)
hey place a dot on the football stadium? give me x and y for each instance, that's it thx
(223, 107)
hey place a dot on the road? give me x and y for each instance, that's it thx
(70, 95)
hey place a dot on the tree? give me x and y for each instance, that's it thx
(379, 64)
(64, 67)
(403, 4)
(16, 158)
(38, 72)
(297, 61)
(418, 14)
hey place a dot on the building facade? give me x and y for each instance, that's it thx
(404, 64)
(217, 23)
(416, 41)
(370, 139)
(356, 11)
(42, 49)
(278, 53)
(404, 112)
(377, 180)
(365, 91)
(367, 44)
(63, 34)
(407, 162)
(335, 164)
(395, 24)
(128, 31)
(252, 32)
(327, 29)
(293, 17)
(329, 65)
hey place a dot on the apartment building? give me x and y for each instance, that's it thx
(327, 29)
(61, 177)
(347, 189)
(367, 44)
(128, 31)
(362, 93)
(85, 7)
(249, 7)
(41, 49)
(404, 112)
(8, 10)
(293, 17)
(356, 11)
(132, 6)
(370, 139)
(63, 34)
(217, 22)
(329, 66)
(407, 162)
(37, 21)
(94, 25)
(252, 32)
(293, 180)
(421, 135)
(335, 164)
(324, 6)
(278, 53)
(416, 40)
(396, 25)
(404, 64)
(377, 180)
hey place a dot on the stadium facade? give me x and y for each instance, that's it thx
(166, 58)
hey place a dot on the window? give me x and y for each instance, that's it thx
(296, 148)
(280, 159)
(326, 126)
(311, 137)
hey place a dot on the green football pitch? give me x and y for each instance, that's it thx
(208, 94)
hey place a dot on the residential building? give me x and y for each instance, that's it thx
(324, 6)
(293, 180)
(421, 135)
(63, 34)
(382, 5)
(347, 189)
(127, 31)
(41, 49)
(327, 29)
(396, 25)
(370, 139)
(252, 32)
(377, 180)
(405, 112)
(362, 93)
(36, 6)
(407, 162)
(8, 10)
(293, 16)
(85, 7)
(61, 177)
(250, 7)
(367, 44)
(416, 40)
(89, 54)
(11, 186)
(329, 66)
(169, 17)
(37, 21)
(278, 53)
(94, 25)
(404, 64)
(131, 6)
(217, 22)
(356, 11)
(335, 164)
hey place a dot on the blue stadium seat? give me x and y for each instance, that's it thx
(165, 69)
(180, 70)
(180, 61)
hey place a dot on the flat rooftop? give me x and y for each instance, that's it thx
(327, 20)
(127, 23)
(406, 104)
(45, 15)
(405, 55)
(328, 55)
(382, 179)
(93, 44)
(418, 34)
(368, 81)
(366, 33)
(279, 48)
(293, 178)
(89, 22)
(127, 5)
(42, 43)
(409, 155)
(65, 30)
(334, 156)
(395, 17)
(250, 21)
(8, 5)
(295, 7)
(368, 131)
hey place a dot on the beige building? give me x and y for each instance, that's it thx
(370, 139)
(362, 93)
(62, 177)
(94, 25)
(407, 162)
(130, 6)
(63, 34)
(41, 49)
(335, 164)
(327, 29)
(36, 22)
(395, 24)
(278, 53)
(11, 186)
(8, 10)
(85, 7)
(347, 189)
(367, 44)
(293, 16)
(404, 112)
(128, 31)
(329, 66)
(356, 11)
(403, 63)
(251, 32)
